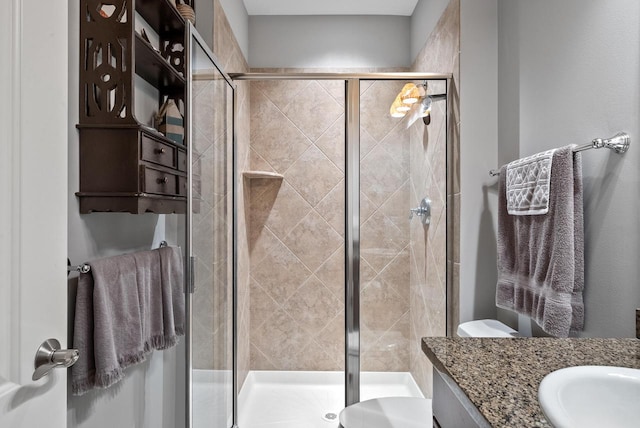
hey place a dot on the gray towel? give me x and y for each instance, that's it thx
(541, 258)
(121, 306)
(172, 277)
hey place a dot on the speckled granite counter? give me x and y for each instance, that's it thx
(501, 376)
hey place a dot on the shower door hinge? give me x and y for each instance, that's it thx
(192, 274)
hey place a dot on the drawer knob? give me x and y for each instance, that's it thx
(163, 180)
(161, 150)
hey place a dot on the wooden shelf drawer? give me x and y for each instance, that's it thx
(158, 182)
(182, 160)
(155, 151)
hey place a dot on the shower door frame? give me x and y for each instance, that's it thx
(193, 36)
(352, 207)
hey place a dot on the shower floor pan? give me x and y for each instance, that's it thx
(288, 399)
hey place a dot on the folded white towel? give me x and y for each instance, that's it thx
(528, 184)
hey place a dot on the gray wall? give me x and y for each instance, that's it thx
(478, 154)
(239, 21)
(569, 72)
(329, 41)
(151, 395)
(422, 22)
(424, 19)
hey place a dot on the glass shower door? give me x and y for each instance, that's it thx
(210, 231)
(402, 255)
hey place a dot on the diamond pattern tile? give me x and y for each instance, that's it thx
(279, 337)
(375, 103)
(314, 111)
(396, 144)
(313, 240)
(303, 226)
(396, 208)
(381, 241)
(377, 182)
(274, 136)
(313, 175)
(283, 208)
(380, 307)
(281, 273)
(281, 92)
(332, 208)
(312, 306)
(332, 142)
(331, 273)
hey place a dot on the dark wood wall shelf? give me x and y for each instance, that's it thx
(126, 166)
(156, 70)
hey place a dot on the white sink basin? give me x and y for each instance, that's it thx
(591, 396)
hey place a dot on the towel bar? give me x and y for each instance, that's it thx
(85, 268)
(618, 143)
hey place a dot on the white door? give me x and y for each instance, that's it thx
(33, 207)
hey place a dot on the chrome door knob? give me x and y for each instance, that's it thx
(49, 356)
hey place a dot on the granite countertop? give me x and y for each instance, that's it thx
(501, 376)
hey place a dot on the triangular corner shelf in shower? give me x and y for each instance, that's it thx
(262, 174)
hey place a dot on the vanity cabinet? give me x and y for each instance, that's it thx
(126, 166)
(451, 407)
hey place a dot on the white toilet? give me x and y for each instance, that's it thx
(404, 412)
(388, 412)
(486, 328)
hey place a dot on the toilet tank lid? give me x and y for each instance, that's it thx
(485, 328)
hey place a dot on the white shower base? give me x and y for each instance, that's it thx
(291, 399)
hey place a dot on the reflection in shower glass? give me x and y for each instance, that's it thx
(211, 243)
(403, 261)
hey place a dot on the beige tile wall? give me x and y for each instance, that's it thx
(431, 254)
(403, 268)
(384, 234)
(296, 225)
(297, 228)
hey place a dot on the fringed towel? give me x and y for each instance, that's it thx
(541, 257)
(528, 184)
(171, 275)
(126, 306)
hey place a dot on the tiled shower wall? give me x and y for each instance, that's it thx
(384, 232)
(433, 248)
(297, 227)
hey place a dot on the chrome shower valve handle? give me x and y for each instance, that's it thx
(423, 211)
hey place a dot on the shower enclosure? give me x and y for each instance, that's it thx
(341, 282)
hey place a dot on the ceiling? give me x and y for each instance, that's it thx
(330, 7)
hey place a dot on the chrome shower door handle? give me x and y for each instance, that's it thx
(49, 356)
